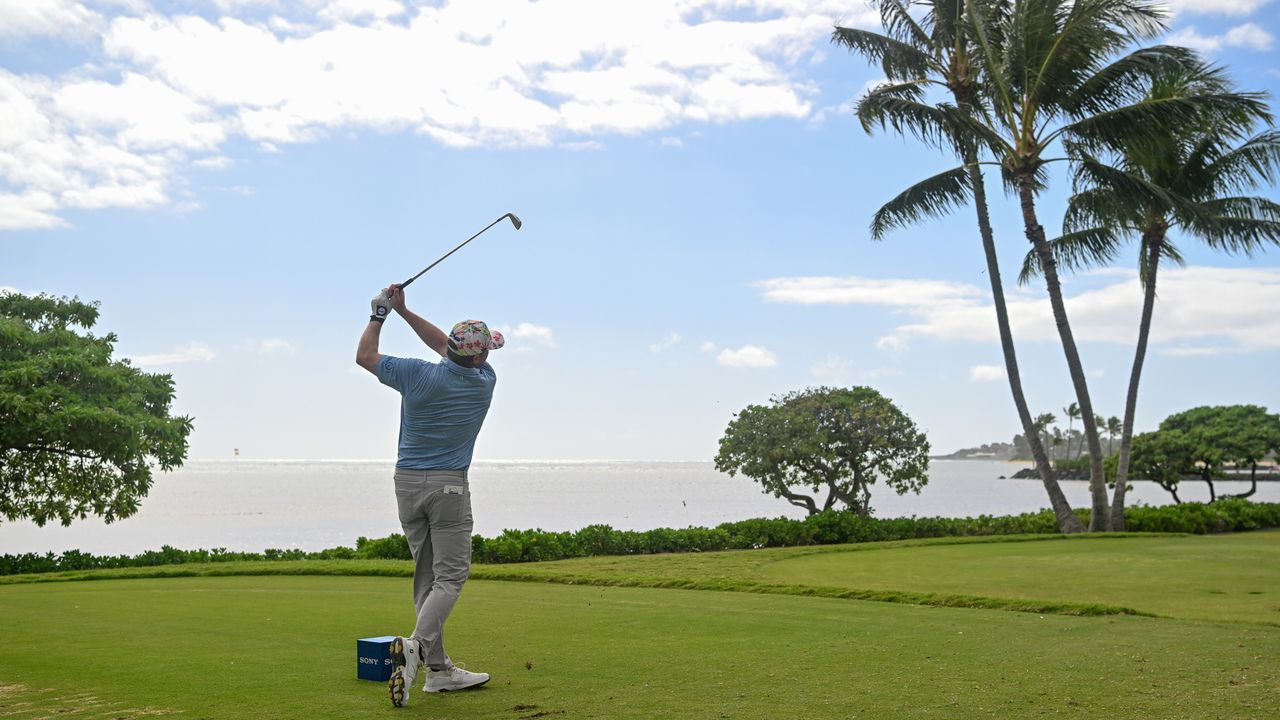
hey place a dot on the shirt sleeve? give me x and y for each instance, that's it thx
(393, 372)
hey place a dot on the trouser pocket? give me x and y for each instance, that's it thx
(450, 506)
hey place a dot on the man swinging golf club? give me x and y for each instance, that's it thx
(443, 404)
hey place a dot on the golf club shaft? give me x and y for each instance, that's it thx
(473, 237)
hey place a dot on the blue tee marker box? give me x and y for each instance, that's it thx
(373, 658)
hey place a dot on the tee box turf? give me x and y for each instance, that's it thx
(373, 658)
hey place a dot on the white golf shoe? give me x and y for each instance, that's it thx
(406, 658)
(453, 678)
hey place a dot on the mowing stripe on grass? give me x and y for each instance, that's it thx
(512, 573)
(1042, 607)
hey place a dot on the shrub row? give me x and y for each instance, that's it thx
(832, 527)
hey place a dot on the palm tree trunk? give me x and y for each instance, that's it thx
(1100, 520)
(1152, 241)
(1067, 520)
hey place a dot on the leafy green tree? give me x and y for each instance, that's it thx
(1237, 435)
(1164, 457)
(1191, 179)
(843, 440)
(934, 50)
(79, 432)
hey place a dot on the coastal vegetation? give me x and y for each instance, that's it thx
(833, 527)
(80, 433)
(1155, 138)
(841, 440)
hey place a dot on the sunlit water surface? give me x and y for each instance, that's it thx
(253, 505)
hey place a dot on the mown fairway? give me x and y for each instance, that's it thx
(1198, 577)
(283, 647)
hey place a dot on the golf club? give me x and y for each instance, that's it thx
(514, 221)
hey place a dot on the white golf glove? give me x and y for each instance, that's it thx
(381, 306)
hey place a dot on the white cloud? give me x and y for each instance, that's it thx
(271, 346)
(665, 343)
(215, 162)
(1200, 309)
(28, 211)
(747, 356)
(140, 112)
(1220, 7)
(78, 145)
(891, 344)
(583, 145)
(867, 291)
(707, 347)
(161, 92)
(986, 373)
(671, 141)
(1249, 35)
(228, 6)
(833, 369)
(339, 10)
(189, 353)
(30, 18)
(535, 334)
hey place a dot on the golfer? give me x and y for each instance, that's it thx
(443, 405)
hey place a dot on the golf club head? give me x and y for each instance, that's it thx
(515, 220)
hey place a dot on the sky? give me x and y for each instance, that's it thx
(233, 180)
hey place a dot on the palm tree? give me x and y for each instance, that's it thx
(936, 51)
(1049, 73)
(1191, 180)
(1114, 428)
(1040, 425)
(1072, 412)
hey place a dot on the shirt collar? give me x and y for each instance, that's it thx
(459, 369)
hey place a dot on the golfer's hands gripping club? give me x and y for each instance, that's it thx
(381, 306)
(388, 299)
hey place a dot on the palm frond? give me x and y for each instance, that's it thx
(932, 197)
(1254, 162)
(1150, 119)
(1245, 235)
(1091, 206)
(898, 60)
(1073, 36)
(1126, 188)
(1243, 207)
(1129, 78)
(942, 126)
(1075, 251)
(898, 22)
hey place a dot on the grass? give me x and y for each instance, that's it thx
(225, 646)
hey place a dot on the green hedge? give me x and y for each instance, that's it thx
(829, 528)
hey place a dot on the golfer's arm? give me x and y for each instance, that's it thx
(367, 354)
(433, 336)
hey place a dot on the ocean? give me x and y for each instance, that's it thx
(252, 505)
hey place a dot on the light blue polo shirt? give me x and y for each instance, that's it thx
(442, 407)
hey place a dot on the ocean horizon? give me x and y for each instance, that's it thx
(254, 504)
